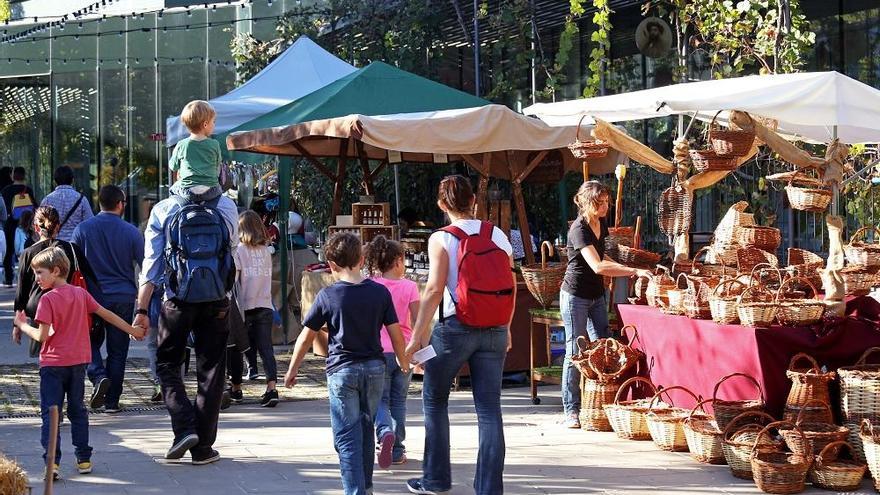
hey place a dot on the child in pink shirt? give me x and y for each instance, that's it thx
(384, 261)
(62, 316)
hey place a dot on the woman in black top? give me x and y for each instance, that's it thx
(582, 299)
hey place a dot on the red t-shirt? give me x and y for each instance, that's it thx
(66, 310)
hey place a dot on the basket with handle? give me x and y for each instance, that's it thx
(799, 312)
(779, 472)
(727, 410)
(831, 472)
(627, 417)
(618, 236)
(803, 263)
(759, 236)
(748, 258)
(814, 435)
(674, 302)
(636, 258)
(755, 311)
(722, 302)
(709, 161)
(658, 286)
(544, 280)
(665, 424)
(609, 361)
(860, 253)
(704, 438)
(857, 280)
(807, 383)
(740, 436)
(695, 301)
(768, 276)
(585, 150)
(808, 198)
(639, 291)
(706, 269)
(581, 360)
(871, 447)
(860, 388)
(730, 142)
(674, 210)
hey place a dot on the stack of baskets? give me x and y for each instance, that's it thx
(603, 365)
(725, 239)
(544, 280)
(665, 422)
(629, 418)
(809, 385)
(860, 396)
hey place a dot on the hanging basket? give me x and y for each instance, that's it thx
(830, 472)
(674, 210)
(544, 280)
(710, 161)
(755, 310)
(730, 142)
(739, 438)
(628, 418)
(723, 300)
(808, 383)
(779, 472)
(808, 199)
(704, 438)
(759, 236)
(871, 445)
(585, 150)
(665, 424)
(727, 410)
(799, 312)
(859, 252)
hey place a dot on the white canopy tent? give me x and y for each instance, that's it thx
(301, 69)
(809, 106)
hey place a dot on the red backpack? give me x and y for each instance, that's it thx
(484, 296)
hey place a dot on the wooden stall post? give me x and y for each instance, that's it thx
(367, 181)
(53, 447)
(482, 193)
(339, 187)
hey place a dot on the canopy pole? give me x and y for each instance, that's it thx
(284, 191)
(397, 192)
(340, 179)
(476, 47)
(835, 187)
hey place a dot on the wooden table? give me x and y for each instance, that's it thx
(543, 319)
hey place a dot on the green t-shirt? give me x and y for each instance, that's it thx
(197, 163)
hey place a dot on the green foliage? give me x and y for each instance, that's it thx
(5, 11)
(602, 45)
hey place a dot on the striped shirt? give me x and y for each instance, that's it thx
(62, 199)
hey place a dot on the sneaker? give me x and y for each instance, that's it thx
(112, 409)
(252, 375)
(56, 472)
(572, 421)
(84, 467)
(400, 460)
(157, 394)
(269, 399)
(97, 400)
(181, 446)
(225, 400)
(236, 396)
(212, 456)
(386, 445)
(415, 486)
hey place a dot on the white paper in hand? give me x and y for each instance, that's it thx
(423, 355)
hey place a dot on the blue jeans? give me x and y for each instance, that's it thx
(355, 393)
(588, 317)
(117, 352)
(55, 383)
(484, 350)
(391, 416)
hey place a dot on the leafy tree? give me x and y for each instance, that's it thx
(5, 11)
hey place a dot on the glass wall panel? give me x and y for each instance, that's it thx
(76, 128)
(221, 77)
(143, 178)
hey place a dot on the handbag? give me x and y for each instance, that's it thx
(78, 280)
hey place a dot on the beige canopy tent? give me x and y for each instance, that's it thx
(492, 139)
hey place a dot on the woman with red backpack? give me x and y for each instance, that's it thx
(582, 298)
(472, 281)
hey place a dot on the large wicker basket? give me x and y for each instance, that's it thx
(674, 210)
(658, 287)
(871, 445)
(722, 301)
(704, 438)
(665, 424)
(759, 236)
(860, 389)
(755, 311)
(636, 258)
(748, 258)
(618, 236)
(727, 410)
(628, 418)
(858, 280)
(585, 150)
(730, 142)
(709, 161)
(808, 199)
(808, 383)
(814, 435)
(739, 438)
(830, 472)
(779, 472)
(609, 360)
(860, 253)
(799, 312)
(544, 280)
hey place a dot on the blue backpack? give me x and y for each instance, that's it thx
(198, 262)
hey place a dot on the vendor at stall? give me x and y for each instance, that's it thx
(582, 301)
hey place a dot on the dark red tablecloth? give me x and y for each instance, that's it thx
(697, 353)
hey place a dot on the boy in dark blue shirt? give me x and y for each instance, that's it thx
(354, 309)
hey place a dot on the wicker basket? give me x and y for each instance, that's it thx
(706, 269)
(618, 236)
(759, 236)
(674, 210)
(861, 253)
(609, 361)
(808, 199)
(704, 438)
(627, 418)
(858, 280)
(730, 142)
(723, 254)
(860, 389)
(544, 280)
(665, 424)
(748, 258)
(753, 311)
(722, 302)
(636, 258)
(739, 438)
(695, 302)
(779, 472)
(814, 436)
(710, 161)
(803, 263)
(658, 287)
(831, 472)
(727, 410)
(725, 232)
(808, 383)
(801, 312)
(871, 445)
(581, 360)
(585, 150)
(594, 395)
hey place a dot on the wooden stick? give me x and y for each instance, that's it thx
(618, 204)
(637, 233)
(50, 452)
(586, 167)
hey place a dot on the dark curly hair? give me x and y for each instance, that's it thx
(344, 249)
(382, 253)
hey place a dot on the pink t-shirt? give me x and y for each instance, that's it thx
(403, 292)
(66, 310)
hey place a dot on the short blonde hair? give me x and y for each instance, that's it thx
(51, 258)
(588, 196)
(196, 114)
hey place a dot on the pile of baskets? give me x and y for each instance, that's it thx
(725, 147)
(863, 262)
(604, 365)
